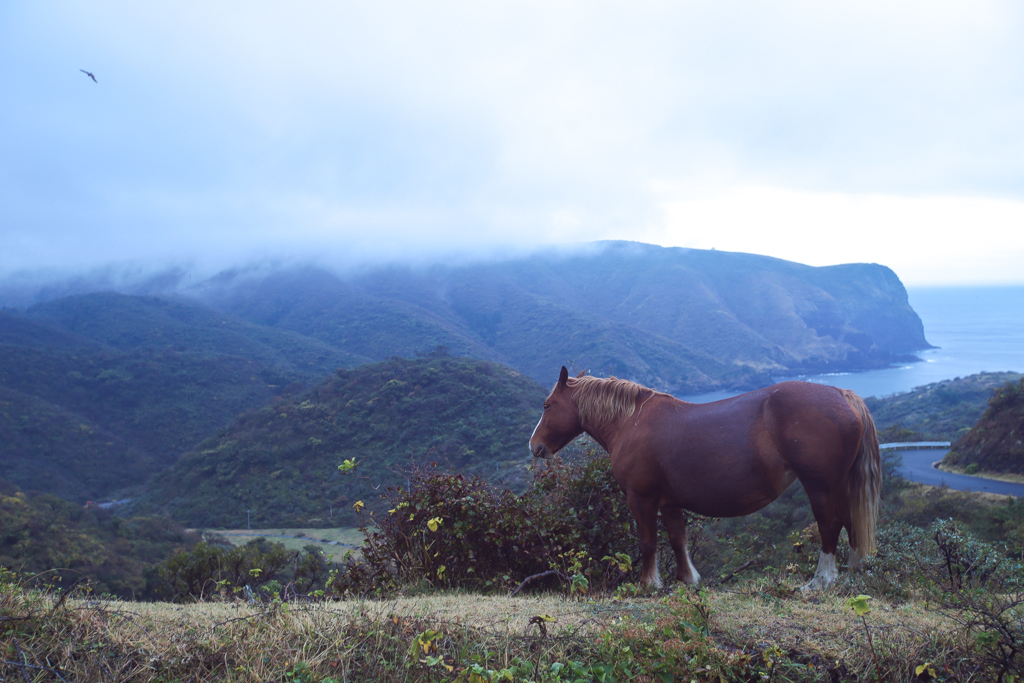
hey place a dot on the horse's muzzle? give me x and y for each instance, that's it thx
(539, 451)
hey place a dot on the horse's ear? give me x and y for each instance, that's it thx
(563, 376)
(582, 372)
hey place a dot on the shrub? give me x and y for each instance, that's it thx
(451, 530)
(208, 568)
(983, 591)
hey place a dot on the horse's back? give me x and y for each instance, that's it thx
(735, 456)
(714, 458)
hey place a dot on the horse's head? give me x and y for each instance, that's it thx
(560, 422)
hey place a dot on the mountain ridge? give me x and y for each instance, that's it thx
(155, 375)
(680, 320)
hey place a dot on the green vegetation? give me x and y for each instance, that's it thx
(40, 533)
(935, 598)
(280, 462)
(572, 524)
(994, 443)
(49, 448)
(732, 636)
(942, 411)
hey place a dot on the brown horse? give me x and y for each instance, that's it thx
(726, 459)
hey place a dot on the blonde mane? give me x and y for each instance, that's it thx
(601, 400)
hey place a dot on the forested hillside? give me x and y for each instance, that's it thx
(129, 323)
(100, 391)
(941, 411)
(40, 532)
(996, 442)
(85, 425)
(280, 462)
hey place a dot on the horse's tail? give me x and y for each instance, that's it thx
(865, 481)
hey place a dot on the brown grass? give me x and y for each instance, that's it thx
(104, 640)
(820, 627)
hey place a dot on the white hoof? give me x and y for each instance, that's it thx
(694, 574)
(654, 579)
(825, 575)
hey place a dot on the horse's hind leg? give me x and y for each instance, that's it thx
(675, 522)
(645, 512)
(825, 506)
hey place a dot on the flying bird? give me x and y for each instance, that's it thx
(89, 74)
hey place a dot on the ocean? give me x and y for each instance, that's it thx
(975, 329)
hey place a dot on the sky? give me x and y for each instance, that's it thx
(223, 133)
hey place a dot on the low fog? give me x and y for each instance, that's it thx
(350, 135)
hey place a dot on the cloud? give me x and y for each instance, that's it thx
(226, 131)
(927, 240)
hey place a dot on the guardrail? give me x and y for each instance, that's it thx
(910, 445)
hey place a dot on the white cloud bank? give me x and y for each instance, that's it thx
(229, 131)
(926, 240)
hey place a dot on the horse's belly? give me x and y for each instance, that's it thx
(726, 507)
(727, 496)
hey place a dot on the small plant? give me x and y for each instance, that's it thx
(859, 605)
(699, 621)
(630, 590)
(571, 564)
(925, 672)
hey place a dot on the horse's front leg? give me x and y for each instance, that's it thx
(645, 512)
(675, 522)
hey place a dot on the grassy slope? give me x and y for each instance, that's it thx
(996, 442)
(941, 411)
(280, 462)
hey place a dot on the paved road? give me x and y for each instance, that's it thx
(917, 466)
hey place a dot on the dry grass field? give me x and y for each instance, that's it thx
(757, 631)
